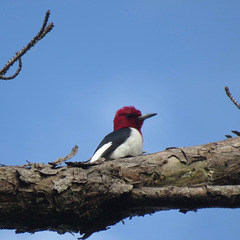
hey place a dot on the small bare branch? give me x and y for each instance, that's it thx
(43, 31)
(236, 132)
(16, 73)
(231, 97)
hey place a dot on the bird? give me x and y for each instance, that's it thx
(126, 140)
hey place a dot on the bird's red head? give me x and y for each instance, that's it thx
(130, 117)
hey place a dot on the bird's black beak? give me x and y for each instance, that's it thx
(145, 116)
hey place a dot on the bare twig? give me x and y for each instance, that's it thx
(238, 106)
(43, 31)
(16, 73)
(231, 97)
(236, 132)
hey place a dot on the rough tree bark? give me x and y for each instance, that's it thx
(90, 197)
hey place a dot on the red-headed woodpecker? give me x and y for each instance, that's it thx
(126, 139)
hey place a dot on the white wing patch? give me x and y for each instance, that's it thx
(100, 151)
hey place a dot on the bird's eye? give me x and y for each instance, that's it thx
(129, 115)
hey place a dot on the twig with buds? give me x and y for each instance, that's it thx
(231, 97)
(43, 31)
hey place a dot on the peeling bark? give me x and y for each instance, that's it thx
(89, 197)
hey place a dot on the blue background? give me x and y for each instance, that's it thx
(170, 57)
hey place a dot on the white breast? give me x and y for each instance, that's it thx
(131, 147)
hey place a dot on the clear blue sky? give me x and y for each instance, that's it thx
(170, 57)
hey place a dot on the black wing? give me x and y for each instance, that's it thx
(117, 138)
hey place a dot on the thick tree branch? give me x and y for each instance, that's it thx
(91, 197)
(43, 31)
